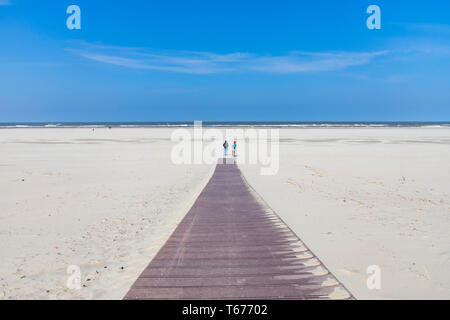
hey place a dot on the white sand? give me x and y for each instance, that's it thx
(361, 197)
(101, 200)
(110, 198)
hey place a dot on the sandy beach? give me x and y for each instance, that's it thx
(362, 197)
(106, 201)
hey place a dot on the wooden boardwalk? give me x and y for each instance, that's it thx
(231, 245)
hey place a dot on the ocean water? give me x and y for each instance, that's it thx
(221, 124)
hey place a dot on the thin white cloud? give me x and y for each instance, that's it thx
(158, 62)
(192, 62)
(314, 61)
(425, 47)
(5, 3)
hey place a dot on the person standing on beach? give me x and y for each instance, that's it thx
(225, 148)
(234, 148)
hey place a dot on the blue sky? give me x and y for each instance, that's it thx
(228, 60)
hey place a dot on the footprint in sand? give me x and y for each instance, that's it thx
(316, 172)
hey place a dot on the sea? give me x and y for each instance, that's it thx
(281, 124)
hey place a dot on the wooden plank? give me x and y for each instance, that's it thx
(231, 245)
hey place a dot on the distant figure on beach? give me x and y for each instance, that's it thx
(234, 148)
(225, 148)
